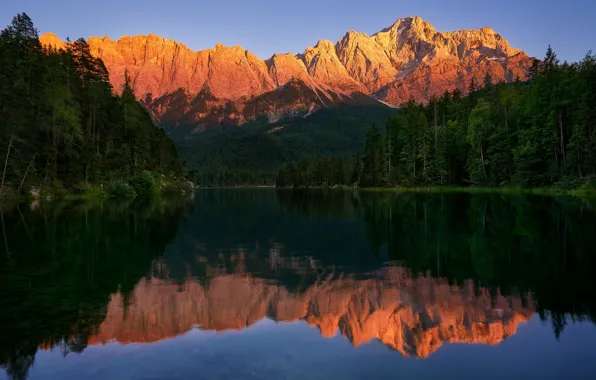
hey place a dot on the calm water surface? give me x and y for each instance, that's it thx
(265, 284)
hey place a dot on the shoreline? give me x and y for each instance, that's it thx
(121, 190)
(102, 195)
(484, 190)
(579, 193)
(235, 187)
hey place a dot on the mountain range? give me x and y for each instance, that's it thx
(413, 315)
(230, 85)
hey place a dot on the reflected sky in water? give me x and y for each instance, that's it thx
(297, 351)
(266, 284)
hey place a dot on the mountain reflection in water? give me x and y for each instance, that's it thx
(414, 315)
(414, 272)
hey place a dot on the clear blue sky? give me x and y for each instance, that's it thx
(267, 26)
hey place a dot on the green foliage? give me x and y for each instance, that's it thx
(52, 190)
(479, 128)
(373, 159)
(535, 135)
(143, 184)
(253, 153)
(175, 188)
(81, 187)
(169, 189)
(60, 120)
(61, 264)
(120, 189)
(315, 171)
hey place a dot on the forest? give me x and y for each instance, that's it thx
(534, 134)
(253, 153)
(63, 128)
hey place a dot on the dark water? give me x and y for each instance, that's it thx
(265, 284)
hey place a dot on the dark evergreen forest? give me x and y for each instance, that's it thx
(63, 127)
(539, 133)
(61, 124)
(253, 153)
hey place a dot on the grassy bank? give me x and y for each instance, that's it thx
(239, 187)
(144, 185)
(580, 192)
(577, 192)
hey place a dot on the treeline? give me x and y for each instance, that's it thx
(252, 154)
(61, 126)
(317, 171)
(535, 134)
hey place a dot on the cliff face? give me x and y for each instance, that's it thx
(429, 62)
(413, 315)
(408, 59)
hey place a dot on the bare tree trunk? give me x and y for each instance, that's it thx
(449, 170)
(26, 171)
(483, 166)
(562, 138)
(436, 140)
(25, 225)
(424, 157)
(6, 163)
(125, 113)
(388, 156)
(4, 233)
(435, 127)
(506, 123)
(579, 164)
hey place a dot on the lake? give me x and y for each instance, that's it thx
(290, 284)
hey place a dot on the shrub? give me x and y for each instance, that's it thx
(169, 188)
(54, 189)
(143, 184)
(176, 188)
(57, 188)
(120, 189)
(588, 187)
(81, 187)
(187, 186)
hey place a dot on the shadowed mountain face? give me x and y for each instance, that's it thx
(413, 315)
(231, 85)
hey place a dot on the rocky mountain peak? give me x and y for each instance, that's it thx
(410, 26)
(324, 65)
(283, 67)
(325, 46)
(408, 59)
(51, 40)
(365, 60)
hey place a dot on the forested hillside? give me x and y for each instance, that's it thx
(535, 134)
(62, 126)
(252, 154)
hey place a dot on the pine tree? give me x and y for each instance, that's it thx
(373, 160)
(479, 129)
(60, 123)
